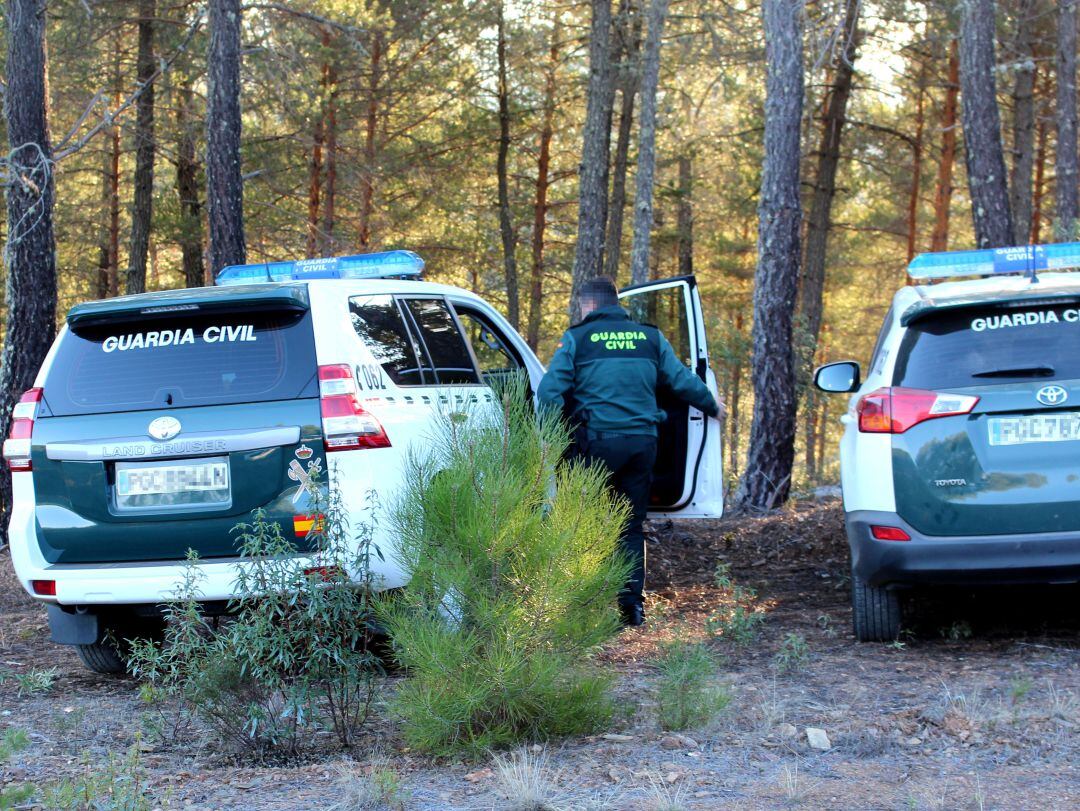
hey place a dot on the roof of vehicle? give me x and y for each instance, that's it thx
(915, 302)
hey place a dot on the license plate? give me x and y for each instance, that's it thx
(168, 484)
(1062, 427)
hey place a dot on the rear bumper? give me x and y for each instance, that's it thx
(1050, 557)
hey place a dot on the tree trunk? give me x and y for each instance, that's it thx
(1039, 192)
(328, 245)
(939, 240)
(540, 204)
(1023, 141)
(734, 406)
(767, 478)
(143, 199)
(30, 250)
(629, 29)
(685, 220)
(916, 165)
(1067, 183)
(315, 168)
(646, 165)
(983, 153)
(224, 181)
(187, 189)
(506, 221)
(593, 172)
(367, 175)
(828, 160)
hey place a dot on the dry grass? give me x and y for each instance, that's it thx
(524, 780)
(376, 787)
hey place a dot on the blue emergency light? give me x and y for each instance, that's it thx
(385, 265)
(1029, 259)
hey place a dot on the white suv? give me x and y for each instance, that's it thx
(160, 421)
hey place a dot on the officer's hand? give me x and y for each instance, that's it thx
(721, 408)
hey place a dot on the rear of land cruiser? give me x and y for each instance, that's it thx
(157, 424)
(980, 416)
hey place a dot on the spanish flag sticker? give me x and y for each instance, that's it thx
(304, 524)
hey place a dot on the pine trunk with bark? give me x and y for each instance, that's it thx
(1023, 127)
(506, 221)
(939, 239)
(327, 242)
(628, 28)
(685, 214)
(916, 164)
(224, 181)
(367, 174)
(540, 202)
(819, 222)
(593, 171)
(1067, 183)
(30, 249)
(188, 189)
(315, 172)
(646, 165)
(766, 481)
(143, 198)
(983, 152)
(1041, 138)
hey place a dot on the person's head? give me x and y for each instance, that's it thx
(596, 294)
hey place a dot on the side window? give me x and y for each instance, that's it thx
(446, 347)
(379, 323)
(880, 354)
(491, 348)
(665, 309)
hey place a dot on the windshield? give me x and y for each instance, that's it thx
(204, 359)
(977, 346)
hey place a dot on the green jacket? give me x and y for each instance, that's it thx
(606, 372)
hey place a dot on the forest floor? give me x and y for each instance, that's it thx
(978, 707)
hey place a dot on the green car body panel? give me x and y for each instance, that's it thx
(950, 481)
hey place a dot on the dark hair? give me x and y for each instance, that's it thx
(600, 291)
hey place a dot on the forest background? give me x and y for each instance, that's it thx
(455, 128)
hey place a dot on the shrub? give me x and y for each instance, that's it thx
(793, 654)
(513, 578)
(295, 652)
(686, 692)
(12, 742)
(120, 784)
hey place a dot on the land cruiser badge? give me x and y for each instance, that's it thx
(164, 428)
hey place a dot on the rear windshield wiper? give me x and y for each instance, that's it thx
(1018, 371)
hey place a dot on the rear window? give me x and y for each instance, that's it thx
(981, 346)
(204, 359)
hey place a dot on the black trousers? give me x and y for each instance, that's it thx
(628, 459)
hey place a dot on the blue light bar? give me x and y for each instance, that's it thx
(994, 261)
(385, 265)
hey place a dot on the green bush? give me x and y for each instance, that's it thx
(294, 655)
(686, 692)
(513, 579)
(12, 742)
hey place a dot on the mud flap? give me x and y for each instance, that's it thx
(71, 628)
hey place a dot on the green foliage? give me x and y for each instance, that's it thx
(296, 653)
(739, 619)
(33, 682)
(513, 578)
(687, 695)
(119, 785)
(793, 654)
(12, 742)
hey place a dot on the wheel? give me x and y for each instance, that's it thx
(875, 612)
(102, 657)
(109, 654)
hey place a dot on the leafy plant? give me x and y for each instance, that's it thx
(12, 742)
(33, 682)
(686, 692)
(793, 653)
(739, 621)
(513, 575)
(295, 653)
(119, 785)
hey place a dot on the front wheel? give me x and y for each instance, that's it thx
(875, 612)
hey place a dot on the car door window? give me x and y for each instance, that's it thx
(491, 348)
(379, 323)
(446, 346)
(665, 309)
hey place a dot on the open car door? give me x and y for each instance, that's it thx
(688, 479)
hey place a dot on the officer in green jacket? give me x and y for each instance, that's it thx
(605, 372)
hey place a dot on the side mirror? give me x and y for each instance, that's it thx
(838, 378)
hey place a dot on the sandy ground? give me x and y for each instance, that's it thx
(978, 708)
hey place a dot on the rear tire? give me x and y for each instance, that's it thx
(102, 657)
(875, 612)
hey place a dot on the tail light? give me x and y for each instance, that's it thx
(346, 425)
(894, 410)
(17, 445)
(44, 588)
(883, 533)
